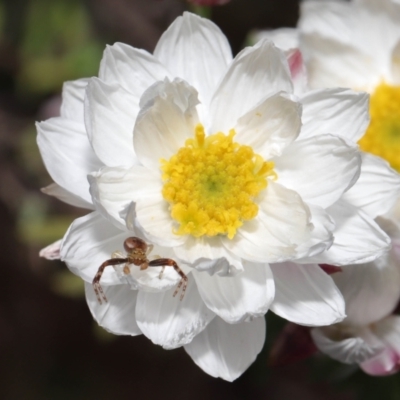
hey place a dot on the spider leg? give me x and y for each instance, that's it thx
(149, 249)
(96, 280)
(167, 262)
(161, 272)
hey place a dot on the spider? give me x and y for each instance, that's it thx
(137, 251)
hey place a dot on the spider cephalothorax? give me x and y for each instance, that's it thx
(137, 251)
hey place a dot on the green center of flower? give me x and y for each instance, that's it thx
(211, 184)
(382, 137)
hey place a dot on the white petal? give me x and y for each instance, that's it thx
(195, 50)
(321, 235)
(90, 241)
(118, 314)
(358, 239)
(52, 251)
(396, 64)
(133, 69)
(208, 254)
(377, 189)
(73, 94)
(331, 19)
(349, 351)
(67, 154)
(238, 298)
(110, 114)
(171, 322)
(334, 64)
(282, 223)
(306, 295)
(284, 38)
(165, 122)
(297, 70)
(388, 361)
(226, 351)
(255, 73)
(341, 112)
(371, 291)
(270, 126)
(113, 190)
(67, 197)
(340, 47)
(319, 168)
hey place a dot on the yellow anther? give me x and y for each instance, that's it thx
(382, 137)
(211, 184)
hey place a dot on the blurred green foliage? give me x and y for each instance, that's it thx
(57, 45)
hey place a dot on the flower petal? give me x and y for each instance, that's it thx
(334, 64)
(306, 295)
(208, 254)
(166, 120)
(388, 361)
(52, 251)
(133, 69)
(110, 114)
(377, 189)
(340, 47)
(117, 316)
(320, 168)
(67, 154)
(195, 50)
(169, 322)
(67, 197)
(154, 220)
(297, 70)
(255, 73)
(284, 38)
(73, 95)
(282, 223)
(321, 236)
(358, 238)
(396, 64)
(112, 192)
(114, 189)
(90, 241)
(270, 126)
(338, 111)
(371, 291)
(349, 351)
(238, 298)
(225, 351)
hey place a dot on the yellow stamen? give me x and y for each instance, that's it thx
(211, 184)
(382, 137)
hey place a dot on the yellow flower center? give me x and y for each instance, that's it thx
(382, 137)
(211, 184)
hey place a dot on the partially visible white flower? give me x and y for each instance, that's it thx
(356, 44)
(370, 335)
(351, 44)
(271, 179)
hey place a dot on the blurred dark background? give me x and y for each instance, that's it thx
(49, 346)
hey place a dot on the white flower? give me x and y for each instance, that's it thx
(369, 335)
(210, 160)
(357, 45)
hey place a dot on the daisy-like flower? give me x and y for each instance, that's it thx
(209, 160)
(369, 335)
(357, 44)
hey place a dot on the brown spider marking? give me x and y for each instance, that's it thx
(137, 251)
